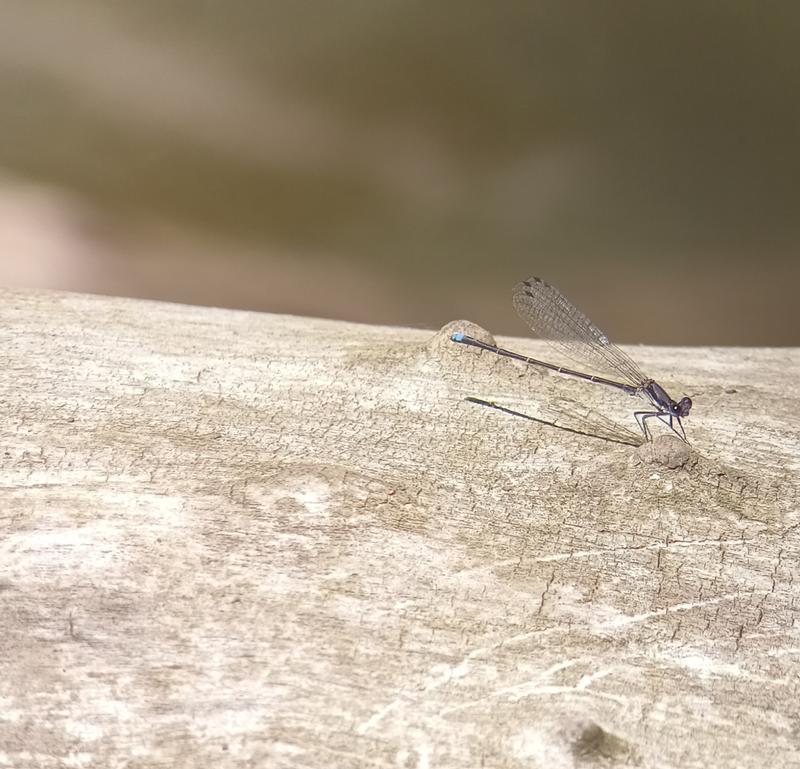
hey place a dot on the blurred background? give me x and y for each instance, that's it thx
(408, 162)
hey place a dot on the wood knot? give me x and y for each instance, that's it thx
(443, 343)
(589, 742)
(665, 450)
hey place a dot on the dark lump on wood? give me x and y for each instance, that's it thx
(589, 742)
(665, 450)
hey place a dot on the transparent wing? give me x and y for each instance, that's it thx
(554, 318)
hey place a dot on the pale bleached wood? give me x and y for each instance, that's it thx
(230, 539)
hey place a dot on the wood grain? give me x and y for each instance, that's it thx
(231, 539)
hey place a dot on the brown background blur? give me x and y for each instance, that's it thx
(408, 162)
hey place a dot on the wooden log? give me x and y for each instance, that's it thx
(234, 539)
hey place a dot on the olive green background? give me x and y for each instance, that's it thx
(408, 162)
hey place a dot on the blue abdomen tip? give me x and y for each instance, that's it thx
(458, 336)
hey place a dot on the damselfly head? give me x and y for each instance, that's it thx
(682, 407)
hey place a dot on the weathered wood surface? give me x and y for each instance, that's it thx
(230, 539)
